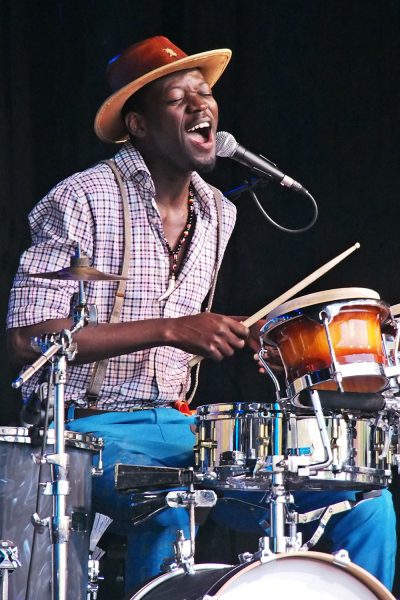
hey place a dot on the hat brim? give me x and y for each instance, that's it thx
(108, 124)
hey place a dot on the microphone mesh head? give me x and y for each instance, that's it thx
(225, 144)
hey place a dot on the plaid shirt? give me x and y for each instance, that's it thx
(87, 208)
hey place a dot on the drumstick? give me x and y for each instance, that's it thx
(395, 310)
(290, 293)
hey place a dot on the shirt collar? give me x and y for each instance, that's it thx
(132, 166)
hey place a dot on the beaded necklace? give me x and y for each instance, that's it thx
(173, 253)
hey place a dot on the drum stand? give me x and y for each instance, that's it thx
(279, 498)
(284, 519)
(59, 348)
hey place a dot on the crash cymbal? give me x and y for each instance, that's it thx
(80, 273)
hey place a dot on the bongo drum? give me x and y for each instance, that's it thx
(331, 340)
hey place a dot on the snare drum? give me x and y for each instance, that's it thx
(19, 485)
(361, 449)
(299, 575)
(233, 442)
(321, 334)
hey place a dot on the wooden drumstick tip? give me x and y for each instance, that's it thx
(357, 245)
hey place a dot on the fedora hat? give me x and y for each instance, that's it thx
(142, 63)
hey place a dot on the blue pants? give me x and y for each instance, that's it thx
(163, 437)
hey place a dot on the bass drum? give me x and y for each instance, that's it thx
(299, 575)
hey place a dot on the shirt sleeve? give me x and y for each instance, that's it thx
(57, 223)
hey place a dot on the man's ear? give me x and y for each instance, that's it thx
(135, 124)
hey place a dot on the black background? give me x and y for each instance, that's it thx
(313, 85)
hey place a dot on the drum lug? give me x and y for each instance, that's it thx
(56, 488)
(341, 558)
(93, 579)
(8, 556)
(98, 470)
(183, 555)
(8, 562)
(264, 553)
(204, 443)
(61, 460)
(40, 524)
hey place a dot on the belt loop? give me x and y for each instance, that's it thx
(92, 400)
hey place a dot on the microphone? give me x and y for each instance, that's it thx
(227, 146)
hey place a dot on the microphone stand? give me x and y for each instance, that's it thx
(63, 349)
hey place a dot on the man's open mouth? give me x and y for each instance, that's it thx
(201, 132)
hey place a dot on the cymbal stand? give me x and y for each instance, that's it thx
(60, 348)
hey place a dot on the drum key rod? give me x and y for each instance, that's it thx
(337, 374)
(323, 432)
(268, 369)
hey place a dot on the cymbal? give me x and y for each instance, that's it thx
(80, 273)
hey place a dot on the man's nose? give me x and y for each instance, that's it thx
(197, 103)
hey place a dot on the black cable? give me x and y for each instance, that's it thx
(281, 227)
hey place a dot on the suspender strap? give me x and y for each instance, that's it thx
(218, 206)
(99, 368)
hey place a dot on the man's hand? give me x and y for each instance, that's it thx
(206, 334)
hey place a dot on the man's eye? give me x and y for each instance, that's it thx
(174, 100)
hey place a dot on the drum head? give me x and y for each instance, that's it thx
(297, 575)
(302, 576)
(323, 297)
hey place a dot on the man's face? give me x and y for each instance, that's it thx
(181, 118)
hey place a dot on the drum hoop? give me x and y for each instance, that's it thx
(324, 297)
(277, 316)
(158, 579)
(356, 369)
(369, 580)
(84, 441)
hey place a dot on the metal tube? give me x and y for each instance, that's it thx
(60, 521)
